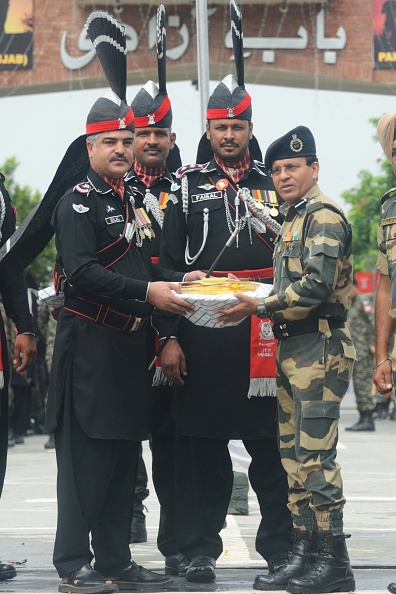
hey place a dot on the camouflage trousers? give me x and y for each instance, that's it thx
(313, 373)
(362, 378)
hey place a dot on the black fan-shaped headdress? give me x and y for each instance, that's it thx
(230, 98)
(151, 105)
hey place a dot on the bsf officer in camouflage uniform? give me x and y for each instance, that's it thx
(361, 326)
(385, 308)
(308, 306)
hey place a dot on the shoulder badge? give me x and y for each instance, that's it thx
(80, 208)
(173, 198)
(189, 168)
(389, 194)
(83, 188)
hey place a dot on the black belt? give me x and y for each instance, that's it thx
(285, 330)
(105, 315)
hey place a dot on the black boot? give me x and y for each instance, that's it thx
(392, 588)
(296, 563)
(138, 524)
(331, 572)
(365, 422)
(382, 409)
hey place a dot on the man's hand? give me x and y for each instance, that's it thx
(173, 362)
(161, 296)
(247, 307)
(24, 352)
(55, 311)
(194, 276)
(383, 377)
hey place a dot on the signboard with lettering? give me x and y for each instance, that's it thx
(384, 33)
(16, 34)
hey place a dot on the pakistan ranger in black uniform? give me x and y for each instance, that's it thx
(97, 404)
(217, 395)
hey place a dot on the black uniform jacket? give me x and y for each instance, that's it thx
(160, 414)
(100, 368)
(161, 189)
(214, 402)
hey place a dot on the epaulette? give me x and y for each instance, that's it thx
(83, 188)
(189, 168)
(388, 194)
(313, 206)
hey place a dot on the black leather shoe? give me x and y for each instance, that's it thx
(7, 572)
(137, 577)
(201, 569)
(176, 564)
(392, 588)
(87, 581)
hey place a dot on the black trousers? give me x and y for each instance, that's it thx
(21, 409)
(204, 481)
(96, 483)
(163, 473)
(3, 434)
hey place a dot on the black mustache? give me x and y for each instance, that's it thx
(118, 158)
(233, 144)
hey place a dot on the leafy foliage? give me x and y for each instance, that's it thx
(25, 199)
(364, 212)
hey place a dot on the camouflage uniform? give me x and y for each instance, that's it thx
(386, 263)
(361, 326)
(312, 282)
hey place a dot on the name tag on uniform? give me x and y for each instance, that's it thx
(207, 196)
(115, 219)
(388, 221)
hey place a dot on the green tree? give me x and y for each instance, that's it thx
(364, 200)
(25, 199)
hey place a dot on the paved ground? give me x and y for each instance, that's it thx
(28, 517)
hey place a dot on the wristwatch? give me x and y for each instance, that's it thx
(261, 311)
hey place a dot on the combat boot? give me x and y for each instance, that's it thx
(138, 524)
(296, 563)
(331, 572)
(365, 422)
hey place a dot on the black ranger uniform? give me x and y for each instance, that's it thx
(154, 188)
(213, 406)
(14, 297)
(98, 375)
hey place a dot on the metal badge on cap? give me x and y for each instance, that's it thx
(296, 144)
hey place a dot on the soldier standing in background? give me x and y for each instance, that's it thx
(315, 356)
(14, 298)
(361, 327)
(385, 311)
(152, 182)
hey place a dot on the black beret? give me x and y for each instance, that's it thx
(299, 142)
